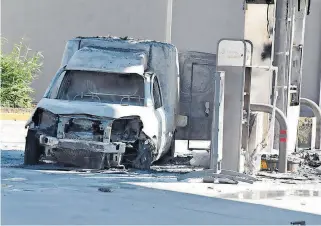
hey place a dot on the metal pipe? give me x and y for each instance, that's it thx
(301, 46)
(317, 113)
(169, 18)
(281, 47)
(280, 117)
(273, 36)
(217, 123)
(320, 77)
(320, 87)
(275, 96)
(289, 71)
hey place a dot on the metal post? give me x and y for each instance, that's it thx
(320, 86)
(281, 50)
(300, 42)
(289, 43)
(320, 83)
(275, 96)
(291, 40)
(217, 123)
(169, 18)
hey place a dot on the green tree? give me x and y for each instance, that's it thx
(18, 69)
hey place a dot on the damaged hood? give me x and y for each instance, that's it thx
(64, 107)
(114, 111)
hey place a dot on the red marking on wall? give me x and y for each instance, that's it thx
(282, 139)
(282, 131)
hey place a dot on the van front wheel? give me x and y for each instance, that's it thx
(32, 149)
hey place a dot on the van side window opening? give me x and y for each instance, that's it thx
(55, 88)
(157, 94)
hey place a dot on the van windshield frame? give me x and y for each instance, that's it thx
(103, 87)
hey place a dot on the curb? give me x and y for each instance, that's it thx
(15, 116)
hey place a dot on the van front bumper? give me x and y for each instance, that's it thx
(94, 146)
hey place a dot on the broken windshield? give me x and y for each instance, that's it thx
(89, 86)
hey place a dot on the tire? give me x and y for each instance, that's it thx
(33, 149)
(144, 157)
(171, 151)
(169, 155)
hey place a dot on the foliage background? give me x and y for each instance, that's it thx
(18, 70)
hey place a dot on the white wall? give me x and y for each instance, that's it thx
(312, 56)
(48, 24)
(199, 24)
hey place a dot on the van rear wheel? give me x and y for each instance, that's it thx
(171, 152)
(169, 155)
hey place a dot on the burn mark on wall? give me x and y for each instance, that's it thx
(267, 51)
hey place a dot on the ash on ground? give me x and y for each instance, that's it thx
(178, 164)
(309, 165)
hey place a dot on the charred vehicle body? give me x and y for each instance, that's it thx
(116, 102)
(112, 102)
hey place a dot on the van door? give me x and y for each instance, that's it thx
(197, 71)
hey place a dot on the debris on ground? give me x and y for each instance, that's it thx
(287, 176)
(298, 223)
(312, 160)
(302, 163)
(299, 165)
(200, 159)
(270, 163)
(178, 164)
(318, 170)
(219, 180)
(288, 182)
(179, 160)
(179, 169)
(104, 189)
